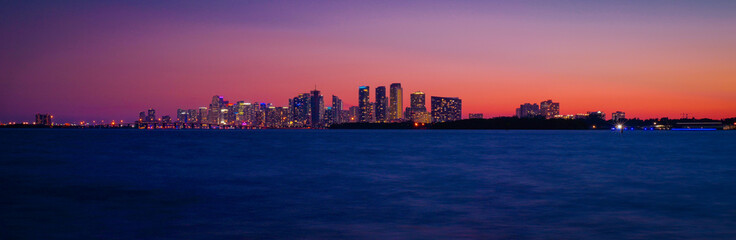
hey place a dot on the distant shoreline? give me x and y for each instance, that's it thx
(500, 123)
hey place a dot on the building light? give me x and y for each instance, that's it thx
(619, 126)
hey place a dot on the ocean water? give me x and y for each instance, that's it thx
(366, 184)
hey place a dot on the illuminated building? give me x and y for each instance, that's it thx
(417, 107)
(527, 110)
(381, 106)
(151, 117)
(421, 117)
(182, 115)
(396, 102)
(364, 104)
(353, 114)
(418, 101)
(141, 116)
(549, 109)
(618, 116)
(475, 116)
(202, 116)
(192, 115)
(336, 110)
(446, 109)
(318, 109)
(44, 119)
(277, 117)
(300, 107)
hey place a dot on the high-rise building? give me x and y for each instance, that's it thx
(301, 107)
(418, 101)
(549, 109)
(151, 117)
(446, 109)
(618, 116)
(475, 116)
(527, 110)
(191, 115)
(417, 110)
(364, 104)
(202, 115)
(277, 117)
(318, 109)
(182, 115)
(336, 110)
(354, 114)
(396, 102)
(381, 107)
(44, 119)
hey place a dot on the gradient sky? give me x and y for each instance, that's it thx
(101, 60)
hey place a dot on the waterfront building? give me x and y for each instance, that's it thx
(381, 106)
(182, 115)
(336, 110)
(364, 104)
(353, 114)
(598, 114)
(301, 108)
(317, 109)
(44, 119)
(527, 110)
(396, 102)
(475, 116)
(549, 109)
(618, 116)
(192, 115)
(446, 109)
(202, 115)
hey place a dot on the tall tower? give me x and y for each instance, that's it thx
(364, 108)
(318, 108)
(381, 105)
(336, 109)
(396, 102)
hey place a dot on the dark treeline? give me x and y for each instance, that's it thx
(494, 123)
(517, 123)
(530, 123)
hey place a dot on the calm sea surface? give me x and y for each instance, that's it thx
(366, 184)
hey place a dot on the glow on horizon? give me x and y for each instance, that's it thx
(86, 61)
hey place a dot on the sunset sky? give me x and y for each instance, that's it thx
(100, 60)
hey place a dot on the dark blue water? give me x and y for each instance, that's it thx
(364, 184)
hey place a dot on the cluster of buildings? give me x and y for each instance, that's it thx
(549, 109)
(308, 110)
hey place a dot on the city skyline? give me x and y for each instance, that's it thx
(88, 61)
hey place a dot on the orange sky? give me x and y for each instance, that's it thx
(94, 61)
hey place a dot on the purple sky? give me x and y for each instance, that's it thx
(84, 61)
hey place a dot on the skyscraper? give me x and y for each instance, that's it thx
(318, 108)
(182, 115)
(549, 109)
(300, 107)
(336, 110)
(417, 110)
(418, 101)
(364, 104)
(381, 109)
(446, 109)
(396, 102)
